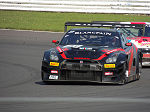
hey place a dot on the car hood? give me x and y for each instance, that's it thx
(141, 42)
(84, 52)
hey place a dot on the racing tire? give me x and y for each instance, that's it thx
(45, 82)
(138, 69)
(123, 76)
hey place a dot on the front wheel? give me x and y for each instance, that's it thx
(42, 76)
(124, 75)
(138, 70)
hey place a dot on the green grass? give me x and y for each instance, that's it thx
(49, 21)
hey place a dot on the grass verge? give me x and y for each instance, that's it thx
(50, 21)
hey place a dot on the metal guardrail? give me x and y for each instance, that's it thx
(87, 6)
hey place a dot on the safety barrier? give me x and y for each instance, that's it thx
(86, 6)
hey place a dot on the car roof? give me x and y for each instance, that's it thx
(94, 29)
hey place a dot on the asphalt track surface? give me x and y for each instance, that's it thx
(21, 88)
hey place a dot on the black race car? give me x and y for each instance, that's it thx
(93, 55)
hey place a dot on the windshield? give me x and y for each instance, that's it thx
(147, 31)
(91, 38)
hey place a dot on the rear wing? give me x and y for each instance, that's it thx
(109, 24)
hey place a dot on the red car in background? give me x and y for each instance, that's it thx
(140, 36)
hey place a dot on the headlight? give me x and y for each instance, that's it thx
(53, 56)
(112, 59)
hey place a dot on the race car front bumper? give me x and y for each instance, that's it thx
(146, 56)
(146, 59)
(82, 70)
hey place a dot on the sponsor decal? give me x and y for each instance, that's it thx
(108, 73)
(54, 71)
(73, 46)
(142, 44)
(109, 65)
(83, 48)
(95, 33)
(54, 64)
(145, 44)
(81, 62)
(53, 77)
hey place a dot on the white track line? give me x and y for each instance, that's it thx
(29, 31)
(71, 99)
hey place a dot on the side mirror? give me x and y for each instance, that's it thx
(55, 41)
(128, 44)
